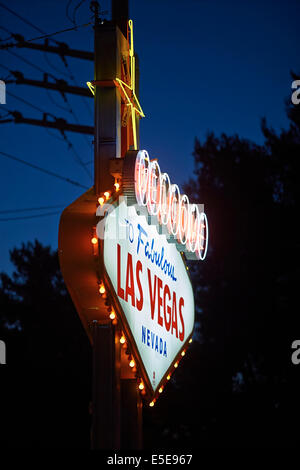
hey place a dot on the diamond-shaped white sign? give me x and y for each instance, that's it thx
(153, 291)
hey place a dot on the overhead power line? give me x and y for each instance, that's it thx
(75, 11)
(17, 44)
(43, 170)
(28, 209)
(39, 29)
(6, 219)
(59, 123)
(32, 65)
(67, 10)
(21, 18)
(61, 31)
(60, 85)
(33, 106)
(5, 68)
(62, 49)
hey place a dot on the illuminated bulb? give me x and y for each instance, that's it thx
(122, 339)
(107, 195)
(141, 386)
(112, 316)
(151, 403)
(117, 186)
(176, 364)
(94, 240)
(183, 353)
(132, 363)
(101, 289)
(190, 341)
(160, 390)
(101, 201)
(168, 377)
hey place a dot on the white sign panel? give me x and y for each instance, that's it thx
(152, 285)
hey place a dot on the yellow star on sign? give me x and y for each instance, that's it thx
(128, 91)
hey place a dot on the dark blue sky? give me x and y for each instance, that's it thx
(205, 66)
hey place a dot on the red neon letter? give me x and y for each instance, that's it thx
(174, 315)
(181, 304)
(167, 308)
(120, 290)
(139, 303)
(159, 302)
(129, 281)
(152, 292)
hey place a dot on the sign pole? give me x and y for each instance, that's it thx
(106, 354)
(131, 415)
(106, 389)
(117, 422)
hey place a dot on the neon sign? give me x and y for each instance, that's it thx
(185, 223)
(152, 293)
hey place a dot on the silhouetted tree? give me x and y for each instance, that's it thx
(246, 290)
(238, 386)
(46, 384)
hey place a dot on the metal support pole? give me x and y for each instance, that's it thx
(110, 411)
(106, 389)
(107, 104)
(131, 415)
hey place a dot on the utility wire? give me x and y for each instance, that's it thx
(4, 67)
(7, 211)
(6, 46)
(65, 138)
(33, 65)
(66, 99)
(59, 32)
(77, 157)
(6, 30)
(75, 11)
(67, 75)
(48, 172)
(79, 160)
(70, 74)
(54, 135)
(67, 10)
(29, 216)
(30, 104)
(22, 18)
(37, 28)
(56, 79)
(67, 110)
(76, 84)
